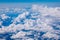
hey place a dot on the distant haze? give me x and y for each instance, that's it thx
(19, 5)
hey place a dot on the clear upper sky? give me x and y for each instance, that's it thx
(27, 1)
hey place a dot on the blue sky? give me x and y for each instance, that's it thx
(27, 1)
(13, 3)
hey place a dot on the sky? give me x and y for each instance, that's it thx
(27, 1)
(4, 3)
(26, 17)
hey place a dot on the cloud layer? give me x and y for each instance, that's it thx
(36, 23)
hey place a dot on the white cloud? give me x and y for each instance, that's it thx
(50, 11)
(12, 28)
(17, 10)
(19, 35)
(21, 16)
(6, 10)
(4, 16)
(44, 10)
(41, 24)
(50, 35)
(30, 39)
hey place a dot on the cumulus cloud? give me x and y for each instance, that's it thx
(4, 16)
(45, 16)
(50, 35)
(19, 34)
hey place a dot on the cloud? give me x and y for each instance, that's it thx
(45, 16)
(4, 16)
(19, 35)
(50, 35)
